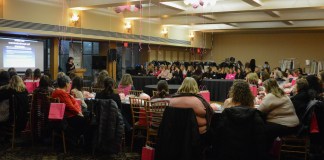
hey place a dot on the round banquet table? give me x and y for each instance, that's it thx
(148, 89)
(140, 81)
(218, 88)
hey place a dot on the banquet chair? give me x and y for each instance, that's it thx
(138, 110)
(294, 147)
(59, 132)
(97, 90)
(154, 114)
(137, 93)
(88, 89)
(155, 93)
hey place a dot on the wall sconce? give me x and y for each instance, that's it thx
(75, 18)
(128, 26)
(164, 31)
(192, 35)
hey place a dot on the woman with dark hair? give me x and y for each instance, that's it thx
(28, 74)
(162, 92)
(69, 66)
(37, 74)
(108, 92)
(301, 99)
(240, 95)
(4, 78)
(315, 88)
(252, 65)
(12, 72)
(45, 85)
(77, 85)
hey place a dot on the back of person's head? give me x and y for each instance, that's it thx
(252, 78)
(17, 84)
(12, 72)
(109, 85)
(264, 76)
(240, 93)
(11, 69)
(189, 85)
(4, 78)
(302, 85)
(62, 81)
(126, 80)
(101, 77)
(271, 86)
(29, 73)
(47, 73)
(61, 74)
(77, 83)
(314, 83)
(37, 73)
(45, 82)
(278, 74)
(162, 88)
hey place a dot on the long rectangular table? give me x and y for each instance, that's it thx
(218, 88)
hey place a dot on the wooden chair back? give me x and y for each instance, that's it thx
(138, 109)
(137, 93)
(292, 146)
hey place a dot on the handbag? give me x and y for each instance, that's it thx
(56, 111)
(206, 95)
(148, 153)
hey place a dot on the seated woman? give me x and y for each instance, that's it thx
(239, 95)
(37, 74)
(281, 116)
(241, 126)
(17, 89)
(73, 111)
(99, 80)
(126, 84)
(45, 85)
(230, 74)
(28, 75)
(4, 79)
(162, 92)
(188, 97)
(108, 92)
(77, 85)
(165, 73)
(301, 99)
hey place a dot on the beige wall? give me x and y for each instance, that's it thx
(60, 15)
(270, 47)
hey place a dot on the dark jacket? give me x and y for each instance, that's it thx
(238, 133)
(300, 101)
(110, 126)
(113, 96)
(178, 136)
(21, 107)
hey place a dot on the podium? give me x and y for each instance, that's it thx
(80, 71)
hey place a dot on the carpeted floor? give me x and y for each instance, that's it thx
(42, 152)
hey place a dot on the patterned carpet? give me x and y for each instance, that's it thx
(45, 152)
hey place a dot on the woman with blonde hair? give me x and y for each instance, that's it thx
(281, 116)
(164, 75)
(239, 95)
(188, 97)
(16, 89)
(126, 84)
(252, 79)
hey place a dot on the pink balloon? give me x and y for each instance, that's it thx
(128, 7)
(139, 6)
(123, 8)
(195, 6)
(201, 2)
(118, 10)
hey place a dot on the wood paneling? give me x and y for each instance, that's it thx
(54, 57)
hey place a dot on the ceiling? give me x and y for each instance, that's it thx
(224, 15)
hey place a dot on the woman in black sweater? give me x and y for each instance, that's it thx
(108, 92)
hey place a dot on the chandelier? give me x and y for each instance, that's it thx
(196, 3)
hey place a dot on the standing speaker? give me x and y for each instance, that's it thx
(112, 55)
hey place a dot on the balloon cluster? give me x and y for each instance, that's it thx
(196, 3)
(131, 8)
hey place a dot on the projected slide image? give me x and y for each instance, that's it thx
(18, 57)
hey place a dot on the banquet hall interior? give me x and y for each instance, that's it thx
(162, 79)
